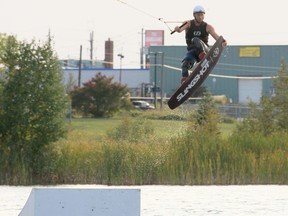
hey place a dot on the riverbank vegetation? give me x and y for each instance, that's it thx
(194, 151)
(143, 150)
(195, 146)
(146, 150)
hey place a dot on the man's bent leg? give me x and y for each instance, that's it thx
(201, 48)
(187, 64)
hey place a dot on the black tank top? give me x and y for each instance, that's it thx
(197, 31)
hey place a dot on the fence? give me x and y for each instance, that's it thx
(234, 110)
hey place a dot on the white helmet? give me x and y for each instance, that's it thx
(198, 9)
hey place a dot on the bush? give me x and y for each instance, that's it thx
(100, 97)
(138, 130)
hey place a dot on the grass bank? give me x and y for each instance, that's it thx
(137, 151)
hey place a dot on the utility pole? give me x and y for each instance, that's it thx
(155, 82)
(91, 48)
(162, 84)
(142, 50)
(160, 78)
(80, 65)
(120, 75)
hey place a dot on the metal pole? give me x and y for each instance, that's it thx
(155, 82)
(120, 75)
(80, 65)
(141, 52)
(91, 48)
(162, 84)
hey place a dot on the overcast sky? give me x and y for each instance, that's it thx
(241, 22)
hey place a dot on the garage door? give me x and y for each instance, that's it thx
(249, 90)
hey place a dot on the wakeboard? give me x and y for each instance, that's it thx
(198, 76)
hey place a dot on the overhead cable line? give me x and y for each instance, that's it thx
(148, 14)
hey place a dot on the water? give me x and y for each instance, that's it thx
(268, 200)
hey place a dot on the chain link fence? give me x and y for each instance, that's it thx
(234, 110)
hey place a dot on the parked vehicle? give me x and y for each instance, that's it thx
(144, 105)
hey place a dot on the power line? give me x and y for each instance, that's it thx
(139, 10)
(150, 15)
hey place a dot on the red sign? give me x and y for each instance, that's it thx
(154, 38)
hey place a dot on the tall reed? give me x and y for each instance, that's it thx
(192, 157)
(198, 158)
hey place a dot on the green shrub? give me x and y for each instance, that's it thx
(135, 130)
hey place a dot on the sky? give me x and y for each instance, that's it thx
(70, 22)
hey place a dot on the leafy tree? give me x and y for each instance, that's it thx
(33, 106)
(99, 97)
(261, 118)
(206, 116)
(272, 113)
(8, 54)
(280, 100)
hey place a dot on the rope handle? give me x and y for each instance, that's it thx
(179, 27)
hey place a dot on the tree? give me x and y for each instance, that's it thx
(99, 97)
(33, 106)
(8, 56)
(271, 115)
(206, 116)
(280, 100)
